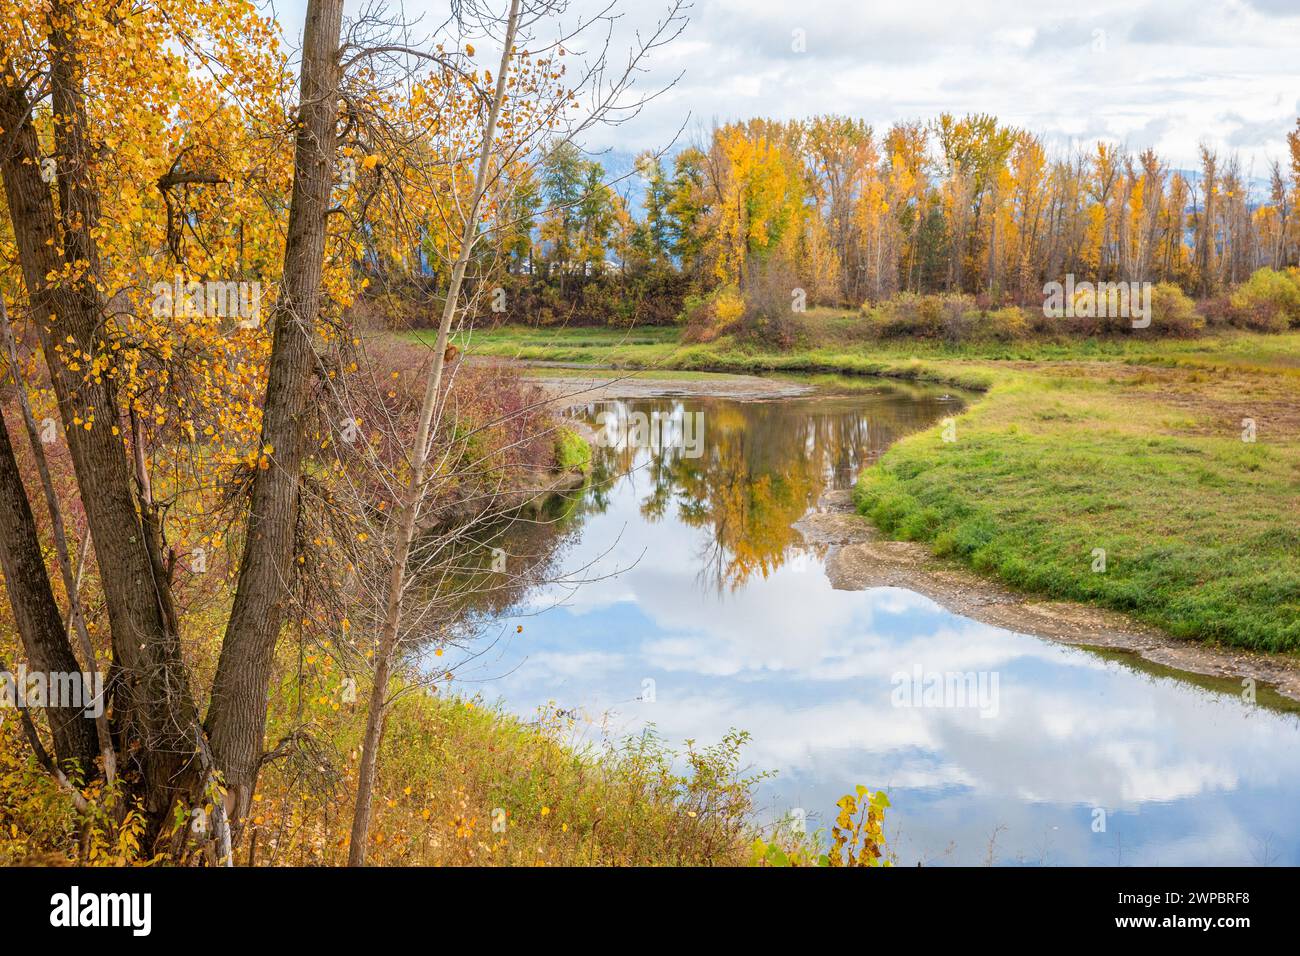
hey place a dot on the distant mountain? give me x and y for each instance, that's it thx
(621, 174)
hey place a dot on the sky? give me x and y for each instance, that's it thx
(1164, 73)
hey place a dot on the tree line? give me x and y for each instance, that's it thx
(850, 215)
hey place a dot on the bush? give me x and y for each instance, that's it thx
(910, 315)
(1269, 301)
(708, 316)
(1105, 306)
(873, 321)
(572, 453)
(1006, 325)
(768, 316)
(1173, 313)
(728, 306)
(959, 324)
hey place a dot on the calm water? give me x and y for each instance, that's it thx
(697, 593)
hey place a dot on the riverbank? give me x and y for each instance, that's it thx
(460, 783)
(464, 783)
(862, 557)
(1153, 477)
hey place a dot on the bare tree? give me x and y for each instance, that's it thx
(608, 89)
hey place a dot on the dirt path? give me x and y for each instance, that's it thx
(861, 558)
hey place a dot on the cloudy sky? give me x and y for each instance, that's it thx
(1163, 73)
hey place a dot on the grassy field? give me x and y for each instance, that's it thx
(1179, 459)
(1196, 528)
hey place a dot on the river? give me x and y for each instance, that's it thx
(681, 597)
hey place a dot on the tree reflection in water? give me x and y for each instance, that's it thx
(764, 464)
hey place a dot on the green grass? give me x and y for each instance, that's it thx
(1128, 445)
(823, 351)
(1198, 529)
(572, 453)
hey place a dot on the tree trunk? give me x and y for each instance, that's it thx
(71, 582)
(151, 700)
(37, 615)
(236, 719)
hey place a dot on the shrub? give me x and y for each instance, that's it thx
(1006, 325)
(1269, 301)
(959, 324)
(572, 453)
(729, 306)
(768, 310)
(1104, 306)
(874, 321)
(1172, 312)
(707, 317)
(910, 315)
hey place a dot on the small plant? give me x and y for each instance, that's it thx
(1006, 325)
(857, 837)
(707, 317)
(1268, 301)
(1172, 312)
(39, 824)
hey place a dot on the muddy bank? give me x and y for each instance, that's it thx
(574, 382)
(860, 557)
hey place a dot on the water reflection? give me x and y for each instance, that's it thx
(699, 585)
(763, 464)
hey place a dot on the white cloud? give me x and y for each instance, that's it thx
(1166, 73)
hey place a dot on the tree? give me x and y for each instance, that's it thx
(653, 237)
(564, 173)
(59, 255)
(237, 716)
(107, 354)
